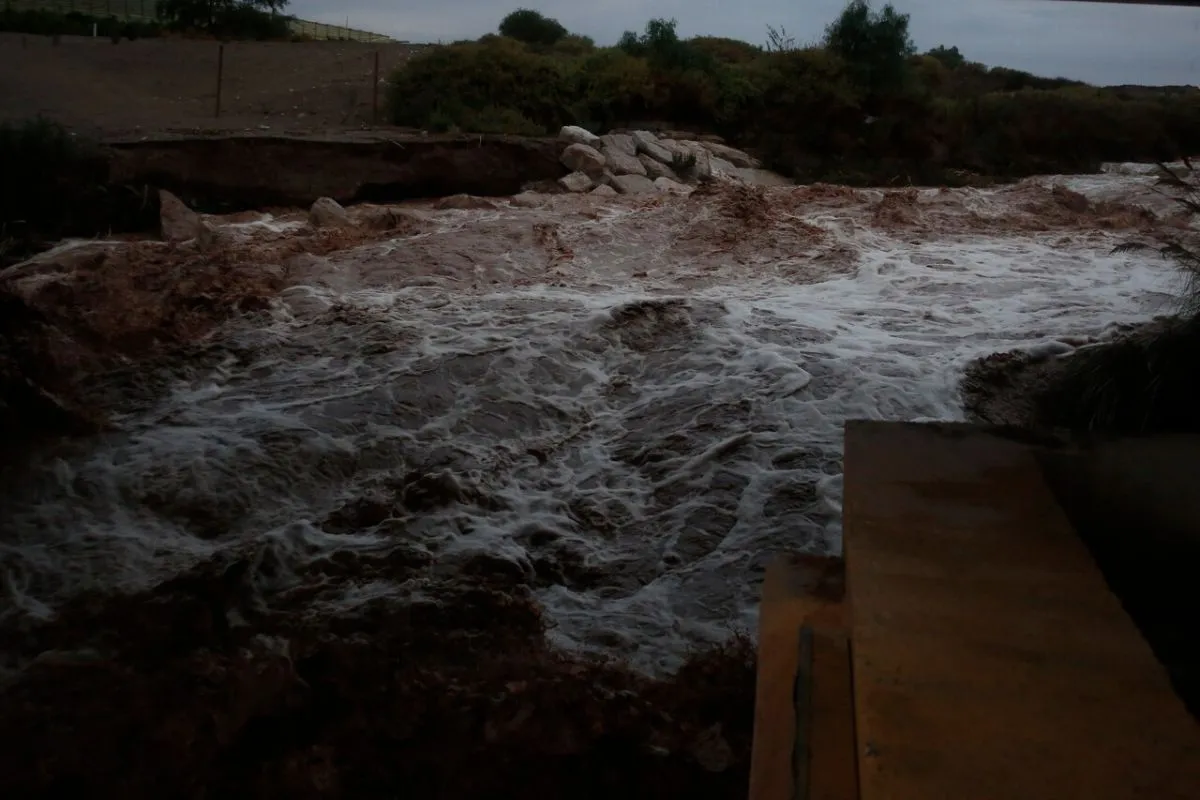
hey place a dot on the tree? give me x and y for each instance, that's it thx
(875, 45)
(532, 27)
(661, 45)
(778, 40)
(257, 19)
(950, 57)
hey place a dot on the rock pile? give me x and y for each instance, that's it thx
(639, 162)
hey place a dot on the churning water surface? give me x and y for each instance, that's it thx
(650, 393)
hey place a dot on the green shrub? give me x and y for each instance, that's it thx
(228, 19)
(532, 28)
(725, 51)
(50, 23)
(572, 46)
(612, 87)
(949, 57)
(459, 86)
(863, 107)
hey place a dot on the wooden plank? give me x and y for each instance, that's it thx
(805, 750)
(990, 658)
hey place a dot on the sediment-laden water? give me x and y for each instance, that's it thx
(627, 405)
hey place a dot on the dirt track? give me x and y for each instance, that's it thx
(168, 85)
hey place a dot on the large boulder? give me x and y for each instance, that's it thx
(723, 169)
(576, 182)
(649, 144)
(619, 143)
(577, 135)
(732, 155)
(581, 158)
(622, 163)
(633, 184)
(656, 169)
(328, 213)
(177, 222)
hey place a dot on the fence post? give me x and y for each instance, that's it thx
(220, 74)
(375, 93)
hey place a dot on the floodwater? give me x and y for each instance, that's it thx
(629, 405)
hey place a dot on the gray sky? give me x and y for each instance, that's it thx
(1101, 43)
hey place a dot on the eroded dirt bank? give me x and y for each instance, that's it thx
(201, 687)
(236, 173)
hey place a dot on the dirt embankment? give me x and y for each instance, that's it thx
(236, 173)
(152, 86)
(216, 683)
(1136, 380)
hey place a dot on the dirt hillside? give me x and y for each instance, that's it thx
(169, 85)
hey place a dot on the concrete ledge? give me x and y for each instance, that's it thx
(990, 658)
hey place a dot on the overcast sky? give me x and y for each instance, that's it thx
(1102, 43)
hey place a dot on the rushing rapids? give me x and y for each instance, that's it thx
(626, 404)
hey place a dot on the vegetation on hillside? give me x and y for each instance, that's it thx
(225, 19)
(53, 23)
(860, 107)
(240, 19)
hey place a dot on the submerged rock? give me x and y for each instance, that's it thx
(604, 190)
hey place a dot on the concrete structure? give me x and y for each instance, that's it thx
(987, 655)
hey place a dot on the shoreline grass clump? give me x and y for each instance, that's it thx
(1145, 382)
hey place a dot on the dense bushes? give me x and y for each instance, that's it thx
(531, 28)
(53, 185)
(862, 108)
(228, 19)
(47, 23)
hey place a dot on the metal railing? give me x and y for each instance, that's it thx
(145, 11)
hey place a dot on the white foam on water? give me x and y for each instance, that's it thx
(637, 429)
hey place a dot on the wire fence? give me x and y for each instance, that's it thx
(320, 30)
(145, 11)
